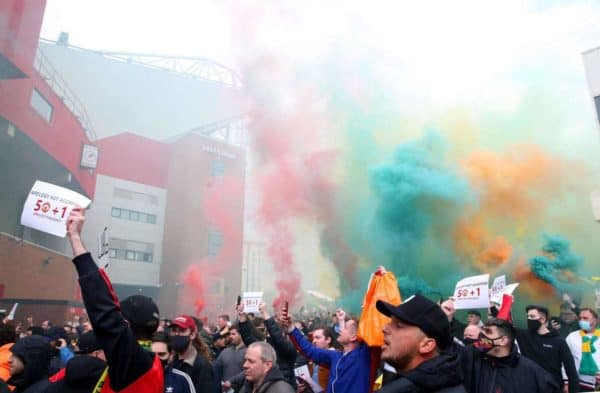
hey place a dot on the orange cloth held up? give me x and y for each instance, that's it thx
(382, 286)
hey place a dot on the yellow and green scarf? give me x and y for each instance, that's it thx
(588, 365)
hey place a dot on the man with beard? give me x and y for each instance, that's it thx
(29, 365)
(414, 341)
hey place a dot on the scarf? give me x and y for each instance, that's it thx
(588, 365)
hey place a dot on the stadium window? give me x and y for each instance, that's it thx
(115, 212)
(41, 105)
(112, 253)
(151, 218)
(215, 240)
(130, 255)
(134, 216)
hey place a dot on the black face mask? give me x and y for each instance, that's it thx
(180, 343)
(533, 325)
(469, 342)
(165, 362)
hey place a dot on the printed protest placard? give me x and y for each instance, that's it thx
(251, 300)
(472, 292)
(497, 289)
(48, 206)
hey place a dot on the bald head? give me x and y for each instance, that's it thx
(472, 331)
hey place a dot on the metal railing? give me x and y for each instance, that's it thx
(58, 84)
(191, 67)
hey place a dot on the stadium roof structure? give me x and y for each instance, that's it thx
(152, 95)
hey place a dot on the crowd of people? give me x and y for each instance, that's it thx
(127, 347)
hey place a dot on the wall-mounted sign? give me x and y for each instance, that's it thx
(89, 156)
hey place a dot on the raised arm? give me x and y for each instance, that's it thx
(126, 359)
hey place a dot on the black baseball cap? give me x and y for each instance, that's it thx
(88, 343)
(140, 311)
(419, 311)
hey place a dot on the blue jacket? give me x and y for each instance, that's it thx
(349, 372)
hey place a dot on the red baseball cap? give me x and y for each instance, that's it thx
(184, 322)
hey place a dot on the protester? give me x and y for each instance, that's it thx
(350, 369)
(276, 337)
(568, 321)
(223, 322)
(220, 342)
(546, 348)
(191, 353)
(230, 362)
(322, 338)
(83, 373)
(8, 336)
(175, 381)
(261, 372)
(471, 334)
(457, 328)
(118, 329)
(29, 365)
(493, 363)
(585, 348)
(413, 343)
(474, 318)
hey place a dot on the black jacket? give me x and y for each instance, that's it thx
(511, 374)
(201, 373)
(457, 329)
(130, 365)
(286, 351)
(274, 382)
(552, 353)
(438, 375)
(81, 375)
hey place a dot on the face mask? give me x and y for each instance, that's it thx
(585, 325)
(180, 343)
(469, 342)
(533, 325)
(485, 344)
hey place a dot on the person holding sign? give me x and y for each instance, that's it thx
(493, 363)
(131, 367)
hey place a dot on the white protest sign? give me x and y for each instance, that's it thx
(11, 314)
(472, 292)
(510, 288)
(251, 300)
(303, 373)
(48, 206)
(497, 289)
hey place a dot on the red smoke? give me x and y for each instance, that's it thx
(220, 206)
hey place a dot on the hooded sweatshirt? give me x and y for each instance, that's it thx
(81, 375)
(35, 353)
(437, 375)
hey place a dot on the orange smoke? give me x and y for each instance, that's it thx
(510, 187)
